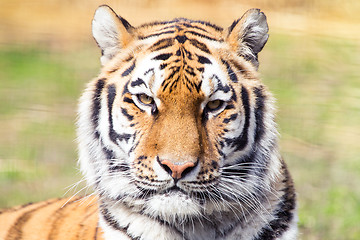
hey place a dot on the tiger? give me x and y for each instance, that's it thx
(177, 138)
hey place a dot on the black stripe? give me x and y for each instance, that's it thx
(151, 70)
(16, 230)
(201, 35)
(125, 23)
(111, 97)
(188, 86)
(233, 25)
(156, 34)
(238, 67)
(231, 118)
(231, 73)
(258, 157)
(149, 24)
(230, 106)
(283, 214)
(113, 167)
(198, 86)
(159, 220)
(199, 45)
(126, 114)
(112, 222)
(114, 70)
(128, 100)
(184, 53)
(129, 58)
(112, 134)
(169, 26)
(119, 168)
(59, 216)
(97, 102)
(259, 113)
(163, 65)
(174, 84)
(161, 44)
(203, 60)
(220, 86)
(124, 136)
(176, 70)
(177, 20)
(233, 96)
(242, 173)
(163, 57)
(126, 89)
(217, 28)
(165, 84)
(14, 209)
(193, 26)
(219, 149)
(129, 70)
(190, 70)
(241, 141)
(134, 146)
(200, 69)
(96, 231)
(137, 82)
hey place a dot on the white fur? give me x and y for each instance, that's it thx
(291, 234)
(137, 225)
(106, 34)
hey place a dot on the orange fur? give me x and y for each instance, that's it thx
(73, 218)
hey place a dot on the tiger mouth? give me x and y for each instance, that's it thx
(201, 195)
(174, 189)
(168, 190)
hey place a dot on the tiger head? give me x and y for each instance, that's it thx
(178, 124)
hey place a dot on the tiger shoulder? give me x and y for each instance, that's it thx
(177, 138)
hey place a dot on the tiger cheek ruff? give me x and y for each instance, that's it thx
(177, 135)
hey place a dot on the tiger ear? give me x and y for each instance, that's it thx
(248, 35)
(111, 32)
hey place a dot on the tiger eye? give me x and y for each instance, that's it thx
(145, 99)
(212, 105)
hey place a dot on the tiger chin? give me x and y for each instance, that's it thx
(177, 137)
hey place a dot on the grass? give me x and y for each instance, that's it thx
(38, 97)
(316, 83)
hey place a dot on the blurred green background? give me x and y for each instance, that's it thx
(311, 64)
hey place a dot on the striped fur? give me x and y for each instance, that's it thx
(53, 219)
(177, 135)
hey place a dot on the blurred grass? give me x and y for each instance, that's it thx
(39, 89)
(316, 83)
(314, 77)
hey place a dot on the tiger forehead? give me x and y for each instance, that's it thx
(184, 58)
(182, 68)
(178, 25)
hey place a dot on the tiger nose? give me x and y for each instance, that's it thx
(177, 170)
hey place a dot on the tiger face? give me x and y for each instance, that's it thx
(178, 126)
